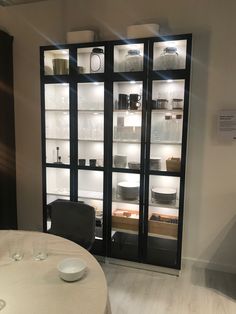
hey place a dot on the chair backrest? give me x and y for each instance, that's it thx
(73, 221)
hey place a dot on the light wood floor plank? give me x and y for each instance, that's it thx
(195, 291)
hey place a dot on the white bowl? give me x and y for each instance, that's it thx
(71, 269)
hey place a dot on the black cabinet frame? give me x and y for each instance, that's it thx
(147, 76)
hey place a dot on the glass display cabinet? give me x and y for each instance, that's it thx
(114, 130)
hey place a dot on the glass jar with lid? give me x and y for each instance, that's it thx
(133, 61)
(169, 58)
(97, 60)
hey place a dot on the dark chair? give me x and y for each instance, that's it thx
(73, 221)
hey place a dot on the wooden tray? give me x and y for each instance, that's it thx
(125, 223)
(163, 228)
(132, 224)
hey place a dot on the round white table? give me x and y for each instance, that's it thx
(34, 287)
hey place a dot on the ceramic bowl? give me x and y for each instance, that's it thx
(71, 269)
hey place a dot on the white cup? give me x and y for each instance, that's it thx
(15, 247)
(40, 249)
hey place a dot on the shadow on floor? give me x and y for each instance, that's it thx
(219, 275)
(221, 282)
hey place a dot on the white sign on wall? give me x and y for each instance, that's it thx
(227, 124)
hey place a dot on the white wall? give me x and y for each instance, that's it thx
(210, 220)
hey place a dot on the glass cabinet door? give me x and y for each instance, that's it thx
(127, 124)
(170, 55)
(163, 211)
(166, 125)
(91, 124)
(90, 191)
(127, 129)
(57, 187)
(91, 60)
(56, 62)
(57, 130)
(128, 57)
(90, 109)
(57, 143)
(125, 215)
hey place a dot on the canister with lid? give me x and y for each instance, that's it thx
(177, 103)
(97, 60)
(133, 61)
(170, 58)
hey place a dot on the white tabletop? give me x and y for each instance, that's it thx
(34, 287)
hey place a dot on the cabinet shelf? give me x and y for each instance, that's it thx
(55, 79)
(127, 111)
(92, 195)
(89, 140)
(57, 165)
(97, 168)
(119, 200)
(163, 205)
(165, 173)
(166, 142)
(58, 110)
(127, 141)
(56, 139)
(125, 170)
(92, 111)
(164, 111)
(58, 194)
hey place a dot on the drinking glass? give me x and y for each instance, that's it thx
(40, 249)
(15, 246)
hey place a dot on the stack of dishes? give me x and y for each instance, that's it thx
(99, 213)
(155, 163)
(164, 195)
(120, 161)
(134, 165)
(128, 190)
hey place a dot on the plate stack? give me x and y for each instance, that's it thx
(155, 163)
(120, 161)
(134, 165)
(164, 195)
(128, 190)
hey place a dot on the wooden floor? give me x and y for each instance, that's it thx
(196, 290)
